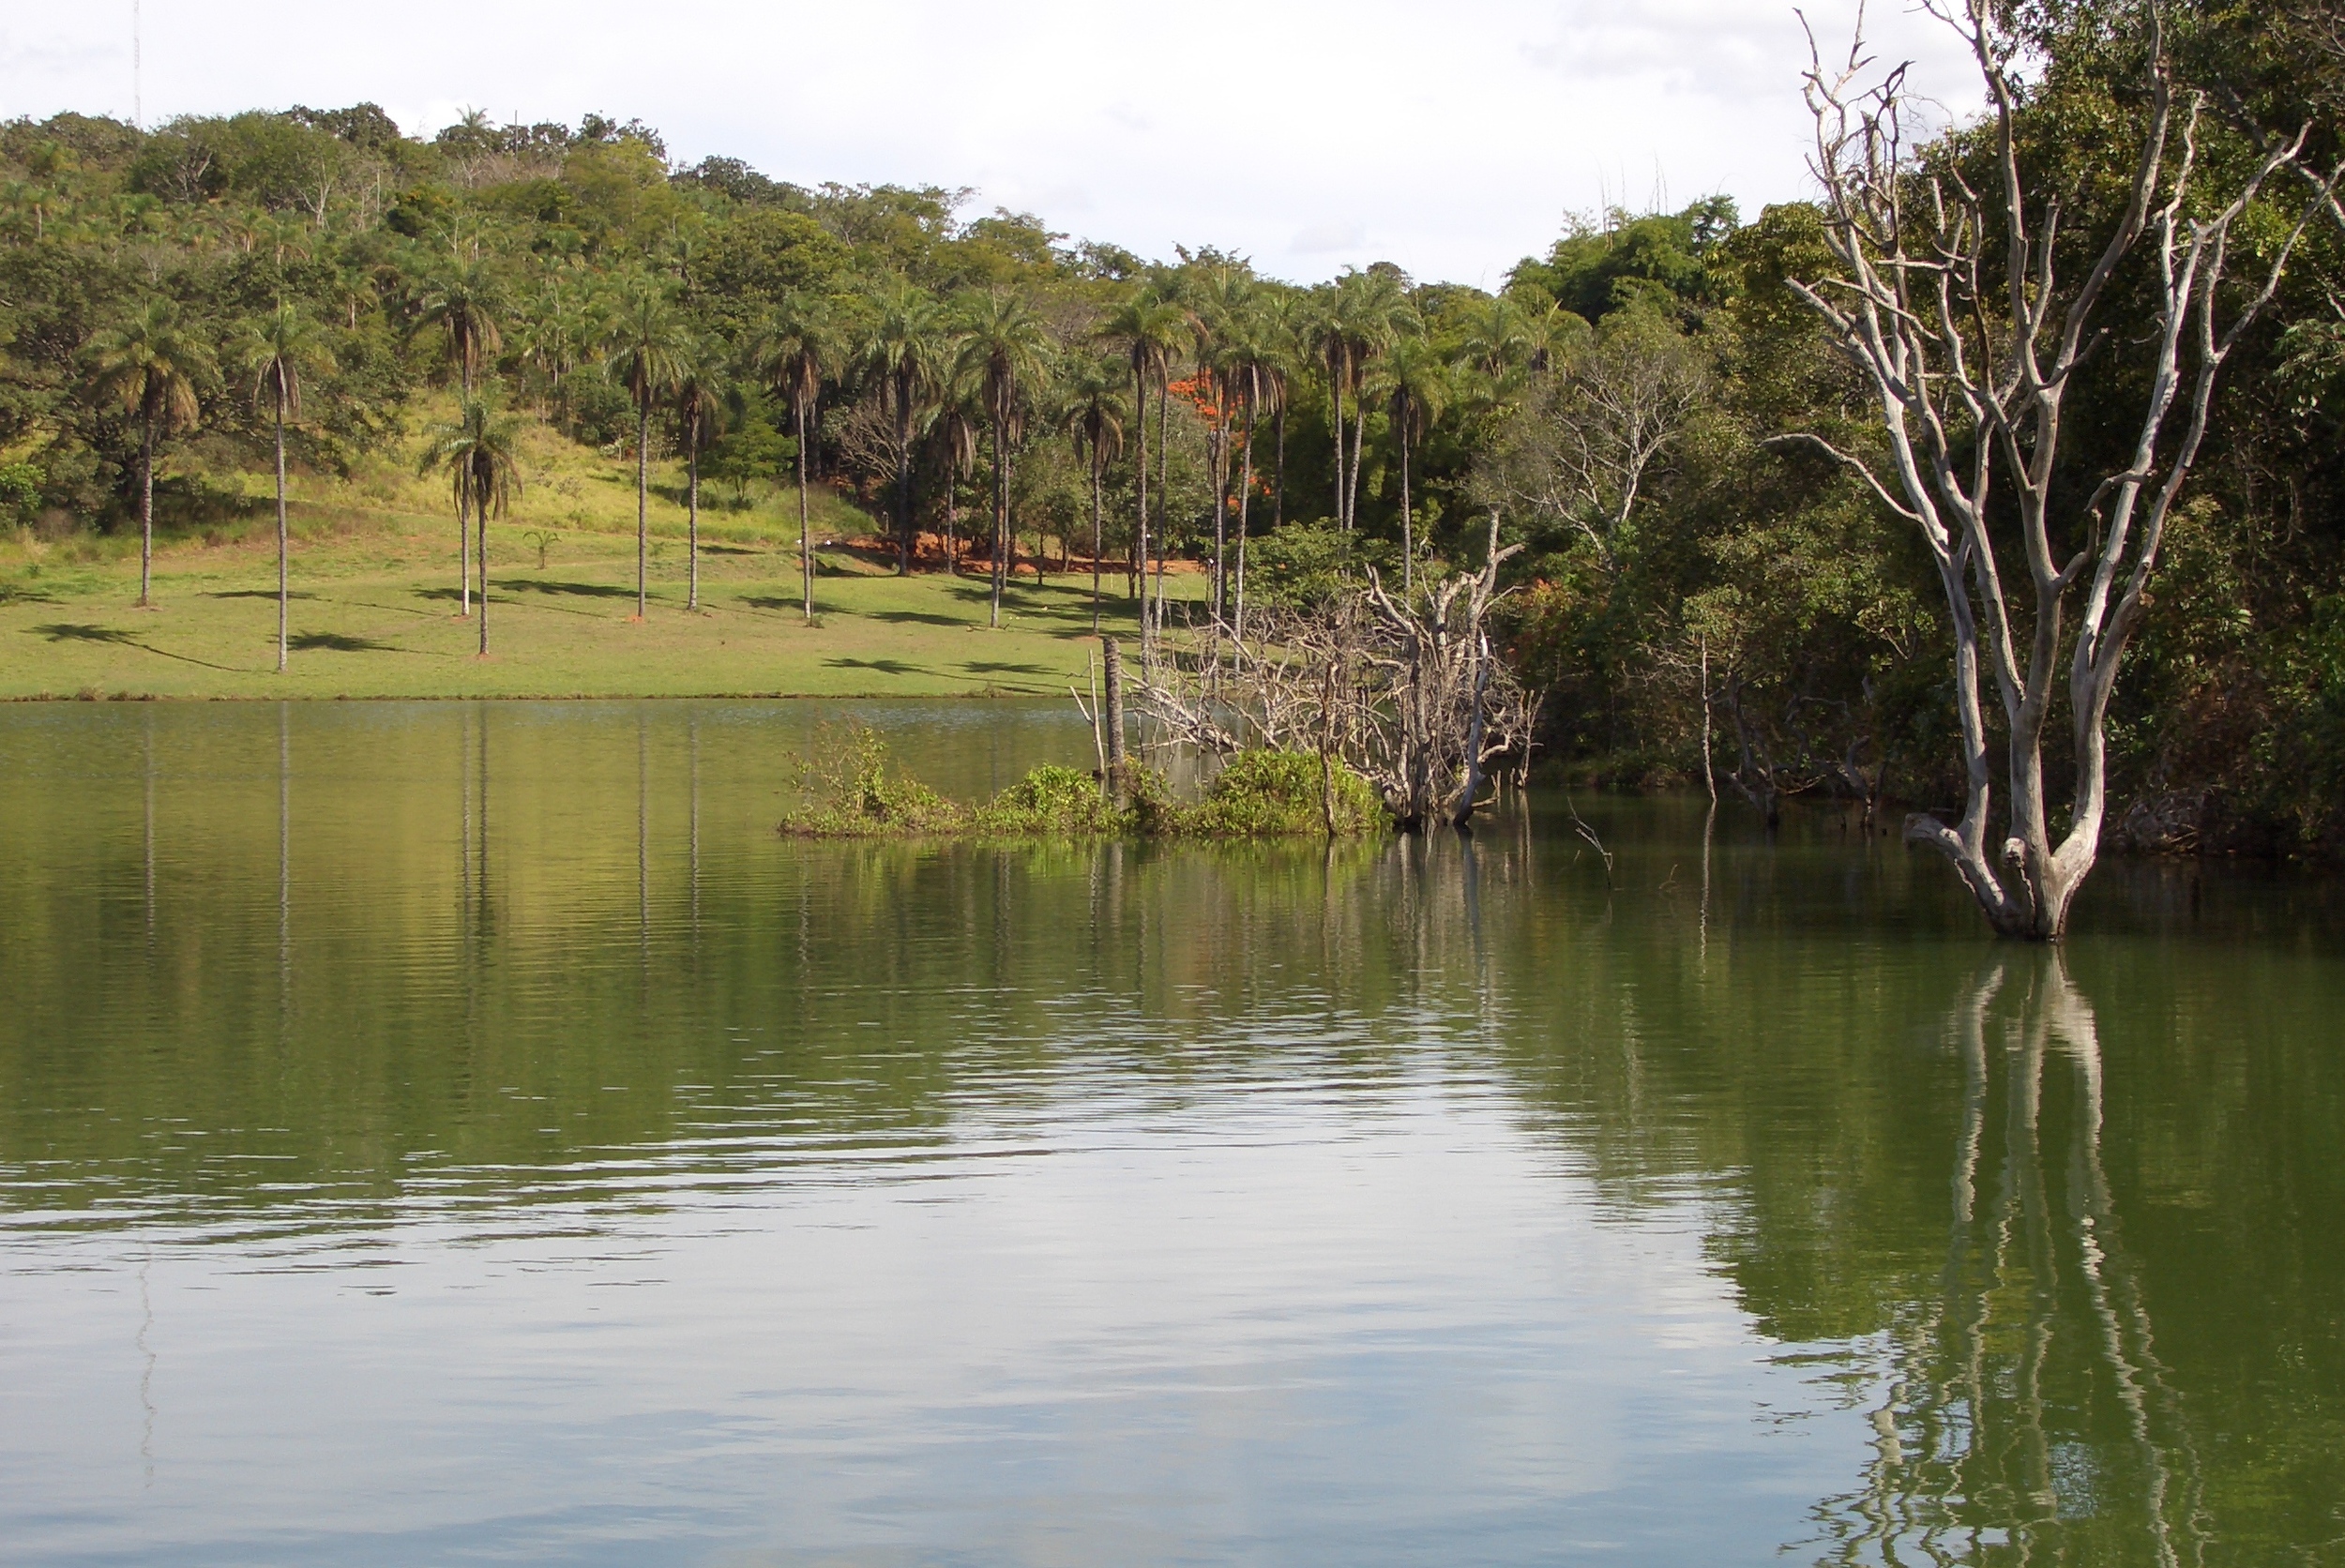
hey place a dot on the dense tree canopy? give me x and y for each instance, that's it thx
(1616, 403)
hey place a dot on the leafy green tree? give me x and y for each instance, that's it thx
(276, 350)
(154, 365)
(650, 352)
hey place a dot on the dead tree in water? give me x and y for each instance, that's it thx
(1405, 690)
(1945, 292)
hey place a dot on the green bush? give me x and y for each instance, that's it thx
(1264, 795)
(1258, 794)
(1053, 802)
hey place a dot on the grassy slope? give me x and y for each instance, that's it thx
(374, 575)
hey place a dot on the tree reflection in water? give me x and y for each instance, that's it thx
(2025, 1415)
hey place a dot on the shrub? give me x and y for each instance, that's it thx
(1262, 794)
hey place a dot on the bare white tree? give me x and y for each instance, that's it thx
(1578, 452)
(1951, 303)
(1406, 690)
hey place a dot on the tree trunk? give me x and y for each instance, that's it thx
(1244, 502)
(1407, 522)
(642, 508)
(146, 510)
(1279, 486)
(1352, 481)
(1164, 490)
(1140, 483)
(1095, 538)
(1001, 513)
(806, 535)
(483, 532)
(281, 526)
(1335, 393)
(463, 494)
(691, 526)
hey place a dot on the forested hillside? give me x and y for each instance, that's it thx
(955, 367)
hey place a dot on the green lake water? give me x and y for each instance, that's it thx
(448, 1133)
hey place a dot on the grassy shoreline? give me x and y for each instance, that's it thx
(375, 585)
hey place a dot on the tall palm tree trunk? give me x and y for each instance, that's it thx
(280, 528)
(1335, 390)
(1407, 522)
(1352, 481)
(691, 526)
(1164, 486)
(1218, 450)
(1095, 538)
(1279, 486)
(805, 533)
(146, 510)
(642, 507)
(483, 532)
(1245, 500)
(1001, 512)
(463, 501)
(1139, 484)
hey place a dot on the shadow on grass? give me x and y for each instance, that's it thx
(11, 593)
(884, 665)
(989, 667)
(730, 550)
(338, 642)
(576, 590)
(73, 631)
(77, 631)
(255, 593)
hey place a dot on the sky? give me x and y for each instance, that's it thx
(1452, 137)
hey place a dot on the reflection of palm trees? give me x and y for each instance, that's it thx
(2026, 1413)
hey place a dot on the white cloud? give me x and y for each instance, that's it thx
(1306, 133)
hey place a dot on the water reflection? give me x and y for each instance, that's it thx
(2027, 1415)
(871, 1173)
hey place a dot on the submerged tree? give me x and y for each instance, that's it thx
(154, 365)
(1952, 291)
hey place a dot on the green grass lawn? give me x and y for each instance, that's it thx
(374, 614)
(374, 608)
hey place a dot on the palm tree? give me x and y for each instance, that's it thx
(1005, 347)
(1147, 328)
(1365, 312)
(276, 349)
(1255, 359)
(1218, 299)
(1091, 411)
(1417, 391)
(155, 366)
(463, 299)
(702, 399)
(797, 347)
(479, 453)
(650, 350)
(906, 348)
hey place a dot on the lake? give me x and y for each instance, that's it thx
(447, 1132)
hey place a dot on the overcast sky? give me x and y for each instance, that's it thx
(1450, 136)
